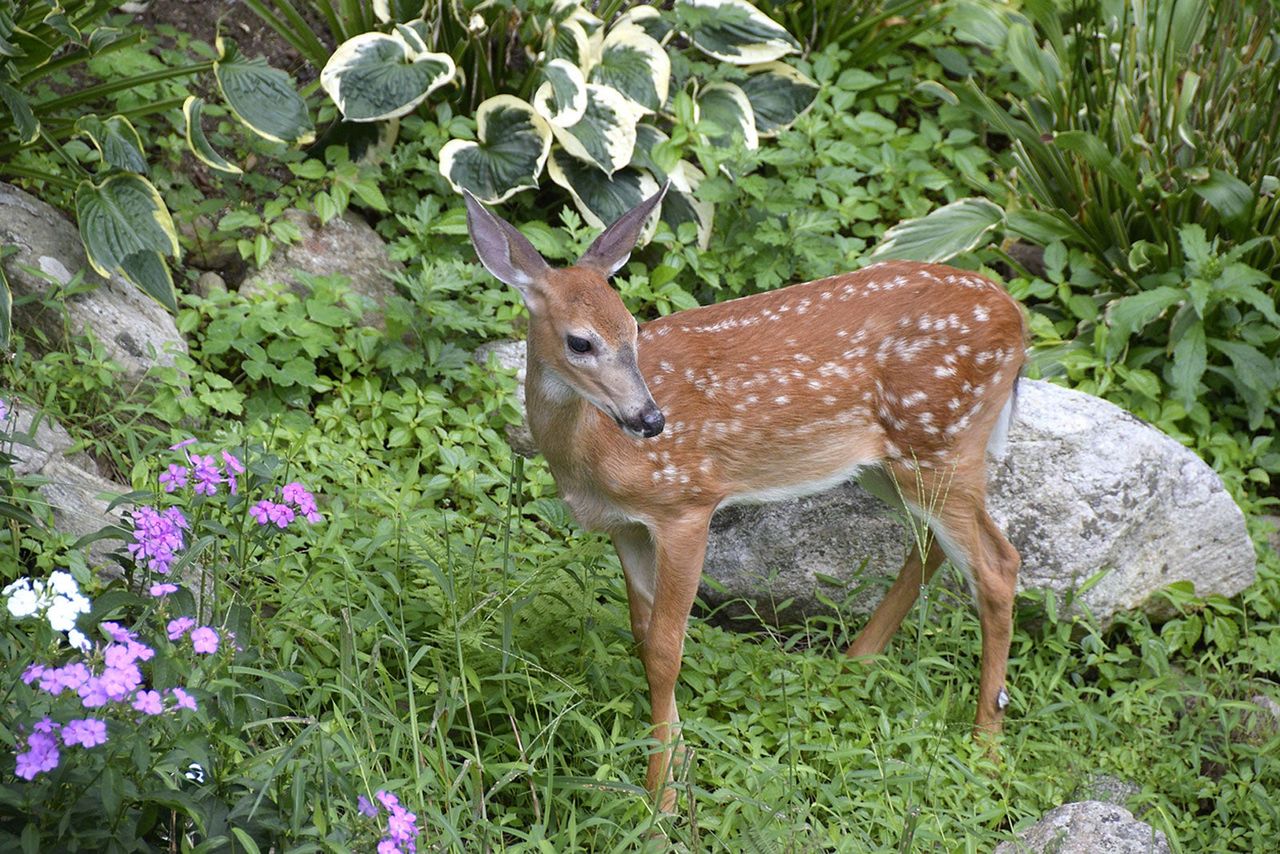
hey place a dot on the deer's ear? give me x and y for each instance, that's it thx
(504, 252)
(613, 247)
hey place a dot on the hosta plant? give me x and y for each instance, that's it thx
(605, 107)
(124, 223)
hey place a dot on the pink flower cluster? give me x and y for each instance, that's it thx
(204, 639)
(296, 501)
(118, 682)
(204, 470)
(157, 537)
(402, 825)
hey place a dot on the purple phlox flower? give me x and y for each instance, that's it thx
(175, 477)
(158, 590)
(204, 640)
(117, 632)
(4, 409)
(366, 808)
(32, 673)
(402, 825)
(73, 675)
(118, 655)
(261, 511)
(157, 537)
(232, 464)
(119, 682)
(184, 443)
(386, 846)
(51, 681)
(179, 626)
(40, 756)
(280, 515)
(148, 702)
(183, 700)
(93, 693)
(87, 732)
(297, 495)
(46, 725)
(140, 651)
(207, 475)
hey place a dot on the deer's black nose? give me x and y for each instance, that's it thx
(652, 421)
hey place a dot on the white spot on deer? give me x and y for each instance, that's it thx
(963, 349)
(753, 398)
(688, 374)
(657, 476)
(944, 371)
(983, 357)
(705, 465)
(829, 399)
(657, 380)
(981, 314)
(666, 330)
(841, 333)
(802, 358)
(826, 295)
(924, 322)
(815, 384)
(914, 398)
(954, 403)
(666, 367)
(891, 450)
(782, 400)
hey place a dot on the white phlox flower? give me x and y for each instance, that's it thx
(59, 599)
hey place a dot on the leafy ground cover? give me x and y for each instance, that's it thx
(445, 636)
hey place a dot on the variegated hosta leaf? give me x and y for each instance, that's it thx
(573, 10)
(680, 205)
(726, 105)
(601, 198)
(398, 10)
(116, 140)
(606, 133)
(942, 233)
(262, 98)
(779, 95)
(734, 31)
(512, 142)
(377, 76)
(562, 99)
(126, 229)
(199, 143)
(635, 65)
(648, 19)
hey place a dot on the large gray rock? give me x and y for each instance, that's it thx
(135, 330)
(1088, 827)
(1083, 487)
(345, 246)
(509, 357)
(76, 492)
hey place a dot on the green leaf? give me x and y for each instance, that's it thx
(726, 105)
(562, 99)
(778, 95)
(377, 76)
(1190, 357)
(1096, 153)
(734, 31)
(635, 65)
(680, 205)
(512, 143)
(199, 143)
(649, 19)
(1195, 245)
(606, 134)
(126, 229)
(262, 98)
(1227, 194)
(1254, 376)
(116, 140)
(942, 233)
(600, 198)
(1128, 315)
(6, 308)
(1237, 282)
(20, 109)
(569, 41)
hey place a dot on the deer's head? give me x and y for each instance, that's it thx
(580, 333)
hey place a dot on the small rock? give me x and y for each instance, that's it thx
(1088, 827)
(346, 246)
(208, 282)
(135, 330)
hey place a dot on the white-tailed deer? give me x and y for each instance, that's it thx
(900, 374)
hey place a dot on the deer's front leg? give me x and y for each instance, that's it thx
(679, 548)
(640, 570)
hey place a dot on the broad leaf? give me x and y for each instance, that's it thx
(649, 19)
(734, 31)
(1238, 283)
(376, 76)
(562, 99)
(726, 105)
(942, 233)
(20, 109)
(1130, 314)
(199, 143)
(1254, 376)
(1190, 357)
(261, 97)
(779, 95)
(1229, 196)
(512, 143)
(606, 134)
(116, 140)
(569, 41)
(127, 230)
(601, 198)
(635, 65)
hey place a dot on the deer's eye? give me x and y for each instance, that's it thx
(579, 345)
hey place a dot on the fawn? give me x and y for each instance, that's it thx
(900, 374)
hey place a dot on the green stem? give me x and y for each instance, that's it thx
(76, 56)
(37, 175)
(93, 92)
